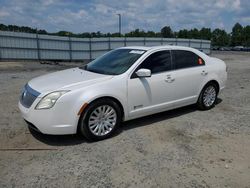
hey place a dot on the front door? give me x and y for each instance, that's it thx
(147, 95)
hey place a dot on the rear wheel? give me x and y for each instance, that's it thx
(208, 97)
(100, 119)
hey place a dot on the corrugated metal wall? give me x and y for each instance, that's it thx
(14, 45)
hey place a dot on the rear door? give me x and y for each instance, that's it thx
(189, 72)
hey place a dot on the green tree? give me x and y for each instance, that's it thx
(3, 27)
(167, 32)
(42, 31)
(84, 35)
(194, 34)
(205, 33)
(246, 36)
(237, 35)
(183, 34)
(136, 33)
(220, 38)
(150, 34)
(115, 35)
(63, 33)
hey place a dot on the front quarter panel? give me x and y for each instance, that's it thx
(115, 87)
(63, 117)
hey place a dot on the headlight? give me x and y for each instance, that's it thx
(48, 101)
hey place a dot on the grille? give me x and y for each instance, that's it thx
(28, 96)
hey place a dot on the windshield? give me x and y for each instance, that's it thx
(114, 62)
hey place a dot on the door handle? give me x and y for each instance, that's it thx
(169, 79)
(204, 73)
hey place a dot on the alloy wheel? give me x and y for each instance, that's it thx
(209, 96)
(102, 120)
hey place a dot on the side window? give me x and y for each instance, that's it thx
(157, 62)
(185, 59)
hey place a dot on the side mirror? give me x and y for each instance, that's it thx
(143, 73)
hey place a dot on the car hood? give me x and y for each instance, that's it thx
(66, 80)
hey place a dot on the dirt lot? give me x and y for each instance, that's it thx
(180, 148)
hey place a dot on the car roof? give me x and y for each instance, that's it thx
(136, 48)
(147, 48)
(167, 47)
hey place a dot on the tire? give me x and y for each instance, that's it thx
(208, 96)
(100, 119)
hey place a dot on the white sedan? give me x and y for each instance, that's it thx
(123, 84)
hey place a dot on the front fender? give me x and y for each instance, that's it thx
(90, 94)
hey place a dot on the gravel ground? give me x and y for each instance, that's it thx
(180, 148)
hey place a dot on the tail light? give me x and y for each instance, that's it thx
(200, 61)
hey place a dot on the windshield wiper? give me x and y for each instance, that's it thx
(85, 67)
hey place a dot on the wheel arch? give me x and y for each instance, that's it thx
(199, 101)
(106, 97)
(214, 82)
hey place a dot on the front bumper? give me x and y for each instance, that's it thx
(59, 120)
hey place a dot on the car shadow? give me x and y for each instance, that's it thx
(69, 140)
(58, 140)
(151, 119)
(218, 101)
(158, 117)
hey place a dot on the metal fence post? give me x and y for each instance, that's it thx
(0, 51)
(109, 44)
(210, 48)
(38, 47)
(176, 41)
(70, 49)
(90, 49)
(201, 45)
(125, 41)
(144, 41)
(189, 42)
(161, 40)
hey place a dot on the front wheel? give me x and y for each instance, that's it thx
(208, 97)
(100, 119)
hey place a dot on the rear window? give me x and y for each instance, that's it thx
(185, 59)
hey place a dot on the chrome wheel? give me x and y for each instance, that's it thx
(102, 120)
(209, 96)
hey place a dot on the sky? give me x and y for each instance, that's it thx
(80, 16)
